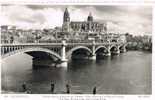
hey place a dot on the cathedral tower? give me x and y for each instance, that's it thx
(66, 17)
(66, 21)
(90, 21)
(90, 18)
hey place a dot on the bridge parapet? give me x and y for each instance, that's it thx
(29, 44)
(67, 42)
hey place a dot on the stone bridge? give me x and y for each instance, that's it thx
(63, 50)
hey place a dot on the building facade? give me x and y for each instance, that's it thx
(90, 25)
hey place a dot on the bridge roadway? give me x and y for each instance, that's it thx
(63, 50)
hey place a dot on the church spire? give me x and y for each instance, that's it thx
(66, 11)
(66, 17)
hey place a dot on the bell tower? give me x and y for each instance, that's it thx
(66, 17)
(90, 20)
(66, 21)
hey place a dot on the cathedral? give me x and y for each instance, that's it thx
(89, 26)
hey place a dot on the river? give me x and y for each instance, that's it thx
(127, 73)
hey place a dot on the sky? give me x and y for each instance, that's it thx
(133, 19)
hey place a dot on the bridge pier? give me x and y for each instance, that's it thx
(108, 54)
(118, 52)
(64, 61)
(123, 50)
(92, 57)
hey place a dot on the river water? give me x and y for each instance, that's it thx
(127, 73)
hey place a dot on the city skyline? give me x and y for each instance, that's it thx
(118, 18)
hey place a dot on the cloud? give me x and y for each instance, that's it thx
(133, 19)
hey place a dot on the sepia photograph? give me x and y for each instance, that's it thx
(76, 49)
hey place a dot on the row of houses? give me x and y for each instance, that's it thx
(12, 34)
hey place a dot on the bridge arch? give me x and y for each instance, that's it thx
(100, 48)
(31, 49)
(113, 46)
(69, 53)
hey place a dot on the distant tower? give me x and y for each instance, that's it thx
(90, 20)
(66, 21)
(66, 17)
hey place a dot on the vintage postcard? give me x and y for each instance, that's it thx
(75, 49)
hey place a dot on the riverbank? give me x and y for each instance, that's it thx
(139, 46)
